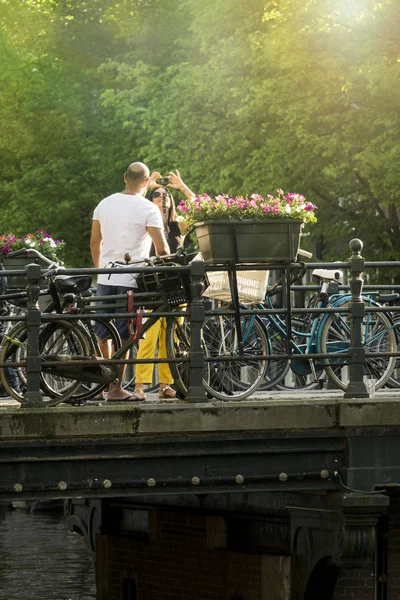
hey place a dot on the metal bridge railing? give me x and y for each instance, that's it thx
(197, 312)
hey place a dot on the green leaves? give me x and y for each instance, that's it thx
(240, 97)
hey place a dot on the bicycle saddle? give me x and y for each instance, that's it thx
(383, 298)
(328, 274)
(75, 284)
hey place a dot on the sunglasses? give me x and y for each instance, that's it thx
(158, 194)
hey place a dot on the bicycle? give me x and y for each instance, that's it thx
(327, 333)
(330, 334)
(390, 300)
(241, 369)
(68, 295)
(64, 341)
(240, 378)
(244, 351)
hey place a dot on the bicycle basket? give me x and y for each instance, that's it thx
(175, 285)
(172, 283)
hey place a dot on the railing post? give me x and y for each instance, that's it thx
(356, 387)
(196, 391)
(33, 318)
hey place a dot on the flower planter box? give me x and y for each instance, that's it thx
(257, 241)
(18, 263)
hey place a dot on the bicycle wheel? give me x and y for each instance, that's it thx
(178, 347)
(234, 379)
(394, 379)
(56, 339)
(378, 336)
(301, 375)
(17, 339)
(109, 332)
(230, 380)
(278, 373)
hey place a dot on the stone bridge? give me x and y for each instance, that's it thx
(305, 484)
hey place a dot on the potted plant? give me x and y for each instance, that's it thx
(248, 229)
(40, 241)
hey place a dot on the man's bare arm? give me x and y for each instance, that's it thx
(96, 242)
(159, 241)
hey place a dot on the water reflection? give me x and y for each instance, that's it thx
(41, 560)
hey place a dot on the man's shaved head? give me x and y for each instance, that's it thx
(136, 173)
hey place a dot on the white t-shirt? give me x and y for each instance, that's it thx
(123, 221)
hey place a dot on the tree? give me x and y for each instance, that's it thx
(241, 97)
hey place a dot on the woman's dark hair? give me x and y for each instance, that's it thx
(172, 216)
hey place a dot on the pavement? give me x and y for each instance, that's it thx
(299, 395)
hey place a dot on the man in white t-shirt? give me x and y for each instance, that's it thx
(125, 222)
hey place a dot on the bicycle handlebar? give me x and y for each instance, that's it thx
(24, 251)
(128, 261)
(304, 253)
(55, 269)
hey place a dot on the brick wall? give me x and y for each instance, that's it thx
(359, 584)
(355, 584)
(185, 558)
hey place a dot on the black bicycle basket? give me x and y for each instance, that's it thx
(174, 285)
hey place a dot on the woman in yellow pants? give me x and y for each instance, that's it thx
(144, 371)
(162, 197)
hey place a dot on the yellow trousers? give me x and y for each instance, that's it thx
(147, 349)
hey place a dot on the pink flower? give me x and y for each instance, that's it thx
(290, 197)
(181, 206)
(224, 206)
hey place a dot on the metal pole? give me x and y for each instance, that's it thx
(232, 276)
(195, 391)
(288, 306)
(356, 387)
(33, 317)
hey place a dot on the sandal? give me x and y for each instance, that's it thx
(167, 393)
(139, 395)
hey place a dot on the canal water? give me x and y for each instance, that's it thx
(40, 559)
